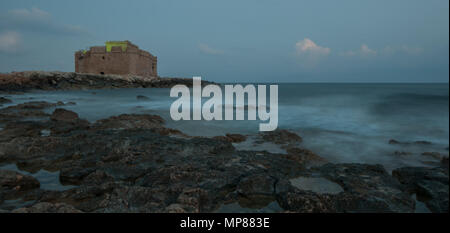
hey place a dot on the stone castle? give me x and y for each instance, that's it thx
(116, 57)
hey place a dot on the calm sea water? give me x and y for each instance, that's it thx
(341, 122)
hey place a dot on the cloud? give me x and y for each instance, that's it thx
(309, 48)
(204, 48)
(411, 50)
(309, 54)
(28, 15)
(36, 20)
(10, 42)
(364, 50)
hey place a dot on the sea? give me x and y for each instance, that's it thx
(344, 123)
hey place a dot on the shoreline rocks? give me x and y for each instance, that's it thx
(429, 184)
(41, 80)
(133, 163)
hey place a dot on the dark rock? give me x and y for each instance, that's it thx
(236, 138)
(281, 136)
(305, 157)
(423, 142)
(444, 161)
(393, 141)
(370, 186)
(35, 105)
(45, 207)
(15, 180)
(61, 114)
(307, 202)
(4, 100)
(23, 111)
(130, 121)
(222, 138)
(430, 185)
(142, 97)
(260, 184)
(256, 191)
(402, 153)
(132, 163)
(23, 81)
(13, 184)
(13, 130)
(435, 155)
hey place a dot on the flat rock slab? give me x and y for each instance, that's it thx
(317, 185)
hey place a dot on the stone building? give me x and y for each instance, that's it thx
(116, 57)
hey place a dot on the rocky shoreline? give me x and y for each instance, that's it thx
(133, 163)
(40, 80)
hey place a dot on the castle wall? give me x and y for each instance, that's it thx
(133, 61)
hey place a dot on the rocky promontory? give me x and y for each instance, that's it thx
(40, 80)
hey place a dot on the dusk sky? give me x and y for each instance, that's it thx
(240, 41)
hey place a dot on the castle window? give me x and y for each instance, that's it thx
(103, 57)
(102, 73)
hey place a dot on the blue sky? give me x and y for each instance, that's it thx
(240, 41)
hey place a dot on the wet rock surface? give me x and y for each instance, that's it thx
(4, 100)
(61, 114)
(281, 136)
(142, 97)
(133, 163)
(429, 184)
(14, 184)
(395, 142)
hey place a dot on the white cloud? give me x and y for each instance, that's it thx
(10, 41)
(364, 50)
(204, 48)
(309, 48)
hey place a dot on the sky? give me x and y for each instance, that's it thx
(239, 40)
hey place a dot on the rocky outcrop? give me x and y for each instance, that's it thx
(39, 80)
(142, 97)
(61, 114)
(13, 184)
(234, 138)
(281, 136)
(305, 156)
(4, 100)
(34, 109)
(133, 163)
(395, 142)
(130, 121)
(434, 155)
(429, 184)
(366, 188)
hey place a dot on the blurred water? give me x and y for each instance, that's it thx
(341, 122)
